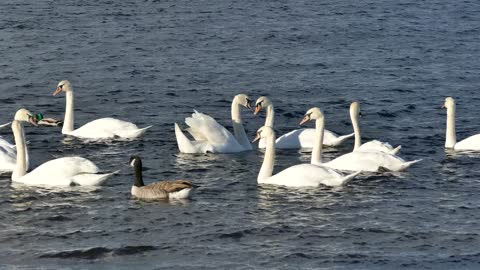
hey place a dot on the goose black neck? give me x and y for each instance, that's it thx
(138, 174)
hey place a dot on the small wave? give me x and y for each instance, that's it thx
(98, 252)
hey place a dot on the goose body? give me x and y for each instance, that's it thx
(211, 137)
(104, 128)
(302, 175)
(177, 189)
(470, 143)
(298, 138)
(58, 172)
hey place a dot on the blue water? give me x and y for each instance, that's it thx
(153, 62)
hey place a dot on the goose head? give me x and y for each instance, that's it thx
(262, 102)
(135, 161)
(449, 103)
(24, 115)
(243, 100)
(264, 132)
(63, 86)
(312, 114)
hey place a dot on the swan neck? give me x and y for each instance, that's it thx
(138, 174)
(270, 116)
(238, 129)
(21, 165)
(69, 118)
(451, 137)
(356, 130)
(318, 143)
(268, 161)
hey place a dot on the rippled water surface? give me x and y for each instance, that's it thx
(153, 62)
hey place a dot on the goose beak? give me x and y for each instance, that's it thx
(59, 89)
(258, 108)
(256, 138)
(304, 120)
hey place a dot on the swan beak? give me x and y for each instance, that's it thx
(59, 89)
(257, 109)
(304, 120)
(249, 106)
(32, 120)
(256, 138)
(443, 106)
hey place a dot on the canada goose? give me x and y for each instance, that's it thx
(177, 189)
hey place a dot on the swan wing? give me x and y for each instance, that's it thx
(5, 125)
(306, 175)
(108, 128)
(370, 161)
(8, 159)
(59, 172)
(470, 143)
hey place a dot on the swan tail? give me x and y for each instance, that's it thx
(90, 179)
(396, 150)
(349, 178)
(341, 139)
(138, 132)
(408, 164)
(184, 144)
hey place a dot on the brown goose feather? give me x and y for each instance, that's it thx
(160, 190)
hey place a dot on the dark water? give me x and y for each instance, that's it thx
(153, 62)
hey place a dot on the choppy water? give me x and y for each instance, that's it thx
(153, 62)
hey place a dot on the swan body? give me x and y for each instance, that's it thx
(302, 175)
(298, 138)
(374, 145)
(470, 143)
(211, 137)
(177, 189)
(104, 128)
(58, 172)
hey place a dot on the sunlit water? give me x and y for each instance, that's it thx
(153, 62)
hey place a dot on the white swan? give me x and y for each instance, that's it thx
(470, 143)
(103, 128)
(371, 145)
(298, 138)
(369, 161)
(210, 136)
(58, 172)
(163, 190)
(302, 175)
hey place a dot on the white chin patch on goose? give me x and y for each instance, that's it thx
(132, 163)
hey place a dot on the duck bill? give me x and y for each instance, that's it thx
(258, 108)
(59, 89)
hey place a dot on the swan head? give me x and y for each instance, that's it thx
(264, 132)
(355, 109)
(262, 102)
(135, 161)
(312, 114)
(244, 100)
(24, 115)
(63, 86)
(449, 103)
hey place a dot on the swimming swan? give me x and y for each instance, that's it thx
(103, 128)
(298, 138)
(65, 171)
(470, 143)
(210, 136)
(178, 189)
(303, 175)
(371, 145)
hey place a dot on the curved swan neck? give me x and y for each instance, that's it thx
(318, 143)
(237, 123)
(138, 174)
(356, 130)
(21, 165)
(69, 118)
(270, 116)
(451, 137)
(269, 159)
